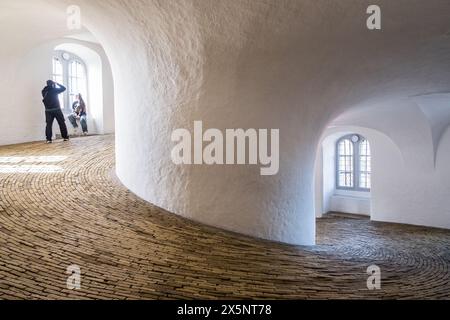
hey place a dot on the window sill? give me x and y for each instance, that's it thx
(352, 194)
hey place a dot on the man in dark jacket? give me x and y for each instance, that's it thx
(53, 109)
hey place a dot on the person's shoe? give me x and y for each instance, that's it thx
(49, 141)
(66, 139)
(85, 133)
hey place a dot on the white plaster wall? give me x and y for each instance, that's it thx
(349, 202)
(21, 107)
(327, 172)
(288, 64)
(320, 204)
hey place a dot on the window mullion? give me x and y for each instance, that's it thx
(356, 165)
(66, 80)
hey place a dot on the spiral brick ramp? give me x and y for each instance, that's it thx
(61, 205)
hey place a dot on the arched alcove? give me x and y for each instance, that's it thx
(385, 157)
(26, 64)
(99, 112)
(330, 197)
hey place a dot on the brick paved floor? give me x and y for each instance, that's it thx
(55, 212)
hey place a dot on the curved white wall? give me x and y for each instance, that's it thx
(290, 65)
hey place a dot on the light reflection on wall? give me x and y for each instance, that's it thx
(31, 164)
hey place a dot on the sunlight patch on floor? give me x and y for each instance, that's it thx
(32, 159)
(31, 164)
(30, 169)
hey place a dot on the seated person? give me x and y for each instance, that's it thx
(79, 112)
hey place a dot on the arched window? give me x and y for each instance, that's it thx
(353, 163)
(58, 76)
(345, 163)
(77, 80)
(58, 73)
(70, 70)
(364, 164)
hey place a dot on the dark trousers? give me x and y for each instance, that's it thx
(59, 116)
(83, 121)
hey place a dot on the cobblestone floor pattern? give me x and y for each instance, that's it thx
(61, 205)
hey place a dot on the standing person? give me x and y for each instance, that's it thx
(53, 109)
(79, 112)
